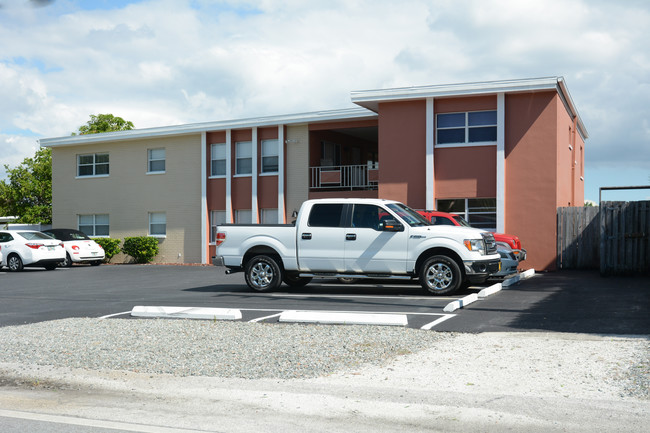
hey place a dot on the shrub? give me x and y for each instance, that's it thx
(111, 247)
(142, 248)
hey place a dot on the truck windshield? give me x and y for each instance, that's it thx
(411, 217)
(461, 221)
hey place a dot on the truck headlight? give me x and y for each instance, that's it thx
(475, 245)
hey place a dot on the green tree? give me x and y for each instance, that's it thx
(104, 123)
(27, 191)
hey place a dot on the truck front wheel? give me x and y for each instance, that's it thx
(263, 274)
(440, 275)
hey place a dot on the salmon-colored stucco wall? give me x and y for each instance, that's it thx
(469, 103)
(531, 174)
(570, 157)
(402, 151)
(465, 172)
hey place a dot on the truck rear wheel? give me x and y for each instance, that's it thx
(262, 273)
(440, 275)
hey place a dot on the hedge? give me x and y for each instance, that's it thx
(111, 247)
(142, 248)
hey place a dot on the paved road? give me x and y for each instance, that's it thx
(564, 301)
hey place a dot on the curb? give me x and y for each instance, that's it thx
(333, 318)
(519, 277)
(187, 313)
(460, 303)
(490, 290)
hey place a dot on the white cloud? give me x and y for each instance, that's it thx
(161, 62)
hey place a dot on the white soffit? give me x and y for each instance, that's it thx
(355, 113)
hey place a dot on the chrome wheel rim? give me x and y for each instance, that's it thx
(13, 264)
(439, 276)
(261, 275)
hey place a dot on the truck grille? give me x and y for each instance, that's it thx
(490, 243)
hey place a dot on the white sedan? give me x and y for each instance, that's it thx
(78, 246)
(21, 248)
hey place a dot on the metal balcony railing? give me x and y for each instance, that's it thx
(347, 177)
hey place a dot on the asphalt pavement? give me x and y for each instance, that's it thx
(567, 301)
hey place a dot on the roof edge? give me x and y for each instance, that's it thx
(370, 99)
(197, 128)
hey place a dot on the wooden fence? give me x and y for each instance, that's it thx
(624, 237)
(578, 238)
(614, 238)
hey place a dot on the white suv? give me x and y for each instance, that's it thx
(22, 248)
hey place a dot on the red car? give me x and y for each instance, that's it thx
(450, 219)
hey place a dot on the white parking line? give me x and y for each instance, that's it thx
(114, 315)
(428, 326)
(259, 319)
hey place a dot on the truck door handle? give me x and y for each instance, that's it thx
(350, 237)
(306, 235)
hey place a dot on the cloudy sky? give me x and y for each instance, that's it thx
(166, 62)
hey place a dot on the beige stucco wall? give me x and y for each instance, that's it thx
(297, 168)
(129, 194)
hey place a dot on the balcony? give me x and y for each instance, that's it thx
(344, 177)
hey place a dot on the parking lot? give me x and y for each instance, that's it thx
(563, 302)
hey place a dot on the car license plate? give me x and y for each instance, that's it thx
(50, 248)
(94, 253)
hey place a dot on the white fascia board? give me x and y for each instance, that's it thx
(566, 97)
(371, 98)
(355, 113)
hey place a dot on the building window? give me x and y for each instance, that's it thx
(218, 159)
(217, 217)
(95, 164)
(93, 225)
(157, 224)
(479, 212)
(156, 161)
(466, 128)
(243, 216)
(269, 156)
(269, 216)
(244, 157)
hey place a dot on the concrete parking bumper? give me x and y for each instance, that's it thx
(187, 313)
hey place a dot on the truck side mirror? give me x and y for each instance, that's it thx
(391, 226)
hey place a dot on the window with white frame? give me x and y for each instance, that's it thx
(157, 224)
(94, 225)
(270, 156)
(217, 217)
(156, 160)
(244, 157)
(466, 128)
(95, 164)
(244, 216)
(479, 212)
(218, 159)
(269, 216)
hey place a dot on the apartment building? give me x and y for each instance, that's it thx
(505, 154)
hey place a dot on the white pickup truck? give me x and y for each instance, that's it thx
(357, 238)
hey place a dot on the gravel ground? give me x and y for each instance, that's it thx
(204, 348)
(518, 362)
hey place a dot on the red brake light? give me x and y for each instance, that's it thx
(33, 245)
(74, 247)
(221, 237)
